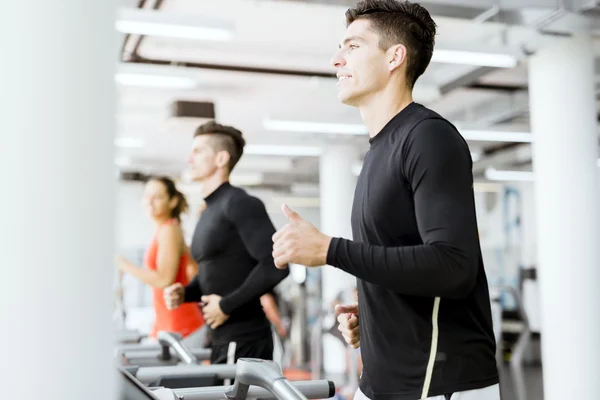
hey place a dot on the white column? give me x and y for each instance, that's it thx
(337, 182)
(58, 182)
(530, 295)
(563, 119)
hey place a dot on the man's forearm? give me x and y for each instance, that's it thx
(422, 270)
(263, 278)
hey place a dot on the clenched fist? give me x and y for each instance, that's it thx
(348, 323)
(173, 295)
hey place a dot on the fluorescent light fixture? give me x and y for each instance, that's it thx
(487, 187)
(256, 163)
(359, 129)
(475, 58)
(163, 81)
(295, 201)
(122, 161)
(495, 175)
(497, 136)
(173, 31)
(281, 150)
(314, 127)
(246, 179)
(129, 142)
(305, 189)
(163, 24)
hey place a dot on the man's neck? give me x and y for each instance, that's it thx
(382, 107)
(211, 184)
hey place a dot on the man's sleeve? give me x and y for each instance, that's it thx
(437, 164)
(254, 226)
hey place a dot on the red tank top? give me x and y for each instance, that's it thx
(187, 317)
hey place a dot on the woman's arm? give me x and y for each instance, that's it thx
(272, 312)
(170, 241)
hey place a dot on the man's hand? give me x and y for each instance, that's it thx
(173, 295)
(213, 315)
(299, 242)
(348, 323)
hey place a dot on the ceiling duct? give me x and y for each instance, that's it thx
(132, 176)
(193, 109)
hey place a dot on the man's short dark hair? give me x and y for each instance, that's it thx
(400, 22)
(224, 138)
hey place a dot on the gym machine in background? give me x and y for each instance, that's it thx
(168, 351)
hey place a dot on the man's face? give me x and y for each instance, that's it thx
(362, 67)
(202, 162)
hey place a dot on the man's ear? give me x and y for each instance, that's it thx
(396, 56)
(222, 159)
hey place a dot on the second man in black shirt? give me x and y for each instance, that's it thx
(233, 248)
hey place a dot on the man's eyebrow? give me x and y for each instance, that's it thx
(351, 38)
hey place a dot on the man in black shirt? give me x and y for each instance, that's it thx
(425, 318)
(232, 246)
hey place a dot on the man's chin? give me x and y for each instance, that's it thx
(196, 178)
(347, 99)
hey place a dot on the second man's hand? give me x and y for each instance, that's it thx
(173, 295)
(299, 242)
(213, 315)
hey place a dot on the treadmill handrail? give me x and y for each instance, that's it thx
(174, 340)
(152, 374)
(319, 389)
(199, 354)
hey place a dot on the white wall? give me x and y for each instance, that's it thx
(133, 227)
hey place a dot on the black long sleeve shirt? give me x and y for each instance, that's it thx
(424, 306)
(232, 244)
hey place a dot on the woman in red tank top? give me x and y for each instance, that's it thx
(168, 261)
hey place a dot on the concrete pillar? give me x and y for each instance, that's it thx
(337, 182)
(58, 187)
(563, 120)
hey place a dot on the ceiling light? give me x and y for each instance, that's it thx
(360, 129)
(495, 175)
(281, 150)
(175, 82)
(314, 127)
(129, 142)
(123, 161)
(163, 24)
(497, 136)
(246, 179)
(486, 187)
(253, 163)
(297, 202)
(475, 58)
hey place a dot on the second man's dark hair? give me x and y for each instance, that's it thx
(400, 22)
(226, 138)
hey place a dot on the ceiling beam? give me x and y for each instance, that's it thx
(469, 78)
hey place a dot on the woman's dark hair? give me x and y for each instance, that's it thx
(172, 192)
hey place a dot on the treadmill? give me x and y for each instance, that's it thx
(168, 351)
(254, 379)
